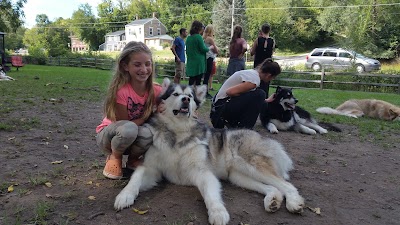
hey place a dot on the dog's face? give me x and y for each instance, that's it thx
(285, 98)
(181, 100)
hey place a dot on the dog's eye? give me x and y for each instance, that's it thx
(190, 96)
(175, 94)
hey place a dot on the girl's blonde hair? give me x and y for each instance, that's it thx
(121, 77)
(208, 31)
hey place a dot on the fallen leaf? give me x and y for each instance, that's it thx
(89, 182)
(66, 147)
(48, 184)
(48, 195)
(315, 210)
(10, 188)
(11, 138)
(97, 184)
(140, 212)
(92, 197)
(57, 162)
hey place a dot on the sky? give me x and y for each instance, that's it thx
(54, 9)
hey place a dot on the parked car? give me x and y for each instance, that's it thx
(339, 59)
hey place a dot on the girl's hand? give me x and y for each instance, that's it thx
(161, 107)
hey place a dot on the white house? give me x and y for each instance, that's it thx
(149, 31)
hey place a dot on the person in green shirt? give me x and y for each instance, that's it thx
(196, 54)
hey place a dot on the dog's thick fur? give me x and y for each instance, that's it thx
(188, 152)
(3, 75)
(373, 108)
(283, 114)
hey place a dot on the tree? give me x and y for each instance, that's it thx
(14, 40)
(10, 15)
(222, 21)
(47, 38)
(87, 27)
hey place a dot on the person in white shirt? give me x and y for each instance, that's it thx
(239, 101)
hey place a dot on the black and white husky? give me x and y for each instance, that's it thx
(283, 114)
(188, 152)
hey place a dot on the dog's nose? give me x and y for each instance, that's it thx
(185, 99)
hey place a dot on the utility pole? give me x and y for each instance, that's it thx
(233, 13)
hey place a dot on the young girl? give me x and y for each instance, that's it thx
(239, 101)
(208, 36)
(130, 99)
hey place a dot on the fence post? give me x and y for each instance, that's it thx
(321, 84)
(398, 86)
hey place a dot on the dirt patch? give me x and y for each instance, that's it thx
(53, 163)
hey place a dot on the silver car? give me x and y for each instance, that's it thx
(340, 59)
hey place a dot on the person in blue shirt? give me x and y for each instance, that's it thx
(178, 48)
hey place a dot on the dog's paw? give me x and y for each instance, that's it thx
(218, 216)
(123, 200)
(273, 202)
(273, 131)
(323, 131)
(295, 204)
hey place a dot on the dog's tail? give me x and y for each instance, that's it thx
(328, 110)
(330, 127)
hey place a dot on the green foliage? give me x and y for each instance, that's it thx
(10, 14)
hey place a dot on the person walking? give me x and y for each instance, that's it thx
(178, 48)
(208, 36)
(238, 102)
(196, 54)
(237, 49)
(263, 48)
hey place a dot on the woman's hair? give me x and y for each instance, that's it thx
(208, 31)
(237, 33)
(265, 28)
(269, 66)
(196, 27)
(121, 77)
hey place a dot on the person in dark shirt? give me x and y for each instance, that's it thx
(262, 49)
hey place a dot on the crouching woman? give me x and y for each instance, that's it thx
(239, 101)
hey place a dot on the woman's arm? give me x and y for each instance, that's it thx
(211, 42)
(254, 47)
(200, 42)
(240, 88)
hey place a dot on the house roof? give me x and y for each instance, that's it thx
(141, 21)
(116, 33)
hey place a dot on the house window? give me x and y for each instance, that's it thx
(140, 30)
(131, 32)
(150, 31)
(158, 31)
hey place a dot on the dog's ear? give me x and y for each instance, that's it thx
(393, 114)
(165, 85)
(278, 89)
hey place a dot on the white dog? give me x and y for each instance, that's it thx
(187, 152)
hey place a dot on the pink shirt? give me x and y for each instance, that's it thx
(134, 103)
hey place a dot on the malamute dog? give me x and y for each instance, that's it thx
(373, 108)
(188, 152)
(284, 114)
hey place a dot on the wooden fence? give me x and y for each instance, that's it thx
(322, 80)
(295, 79)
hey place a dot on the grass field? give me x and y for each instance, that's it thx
(37, 83)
